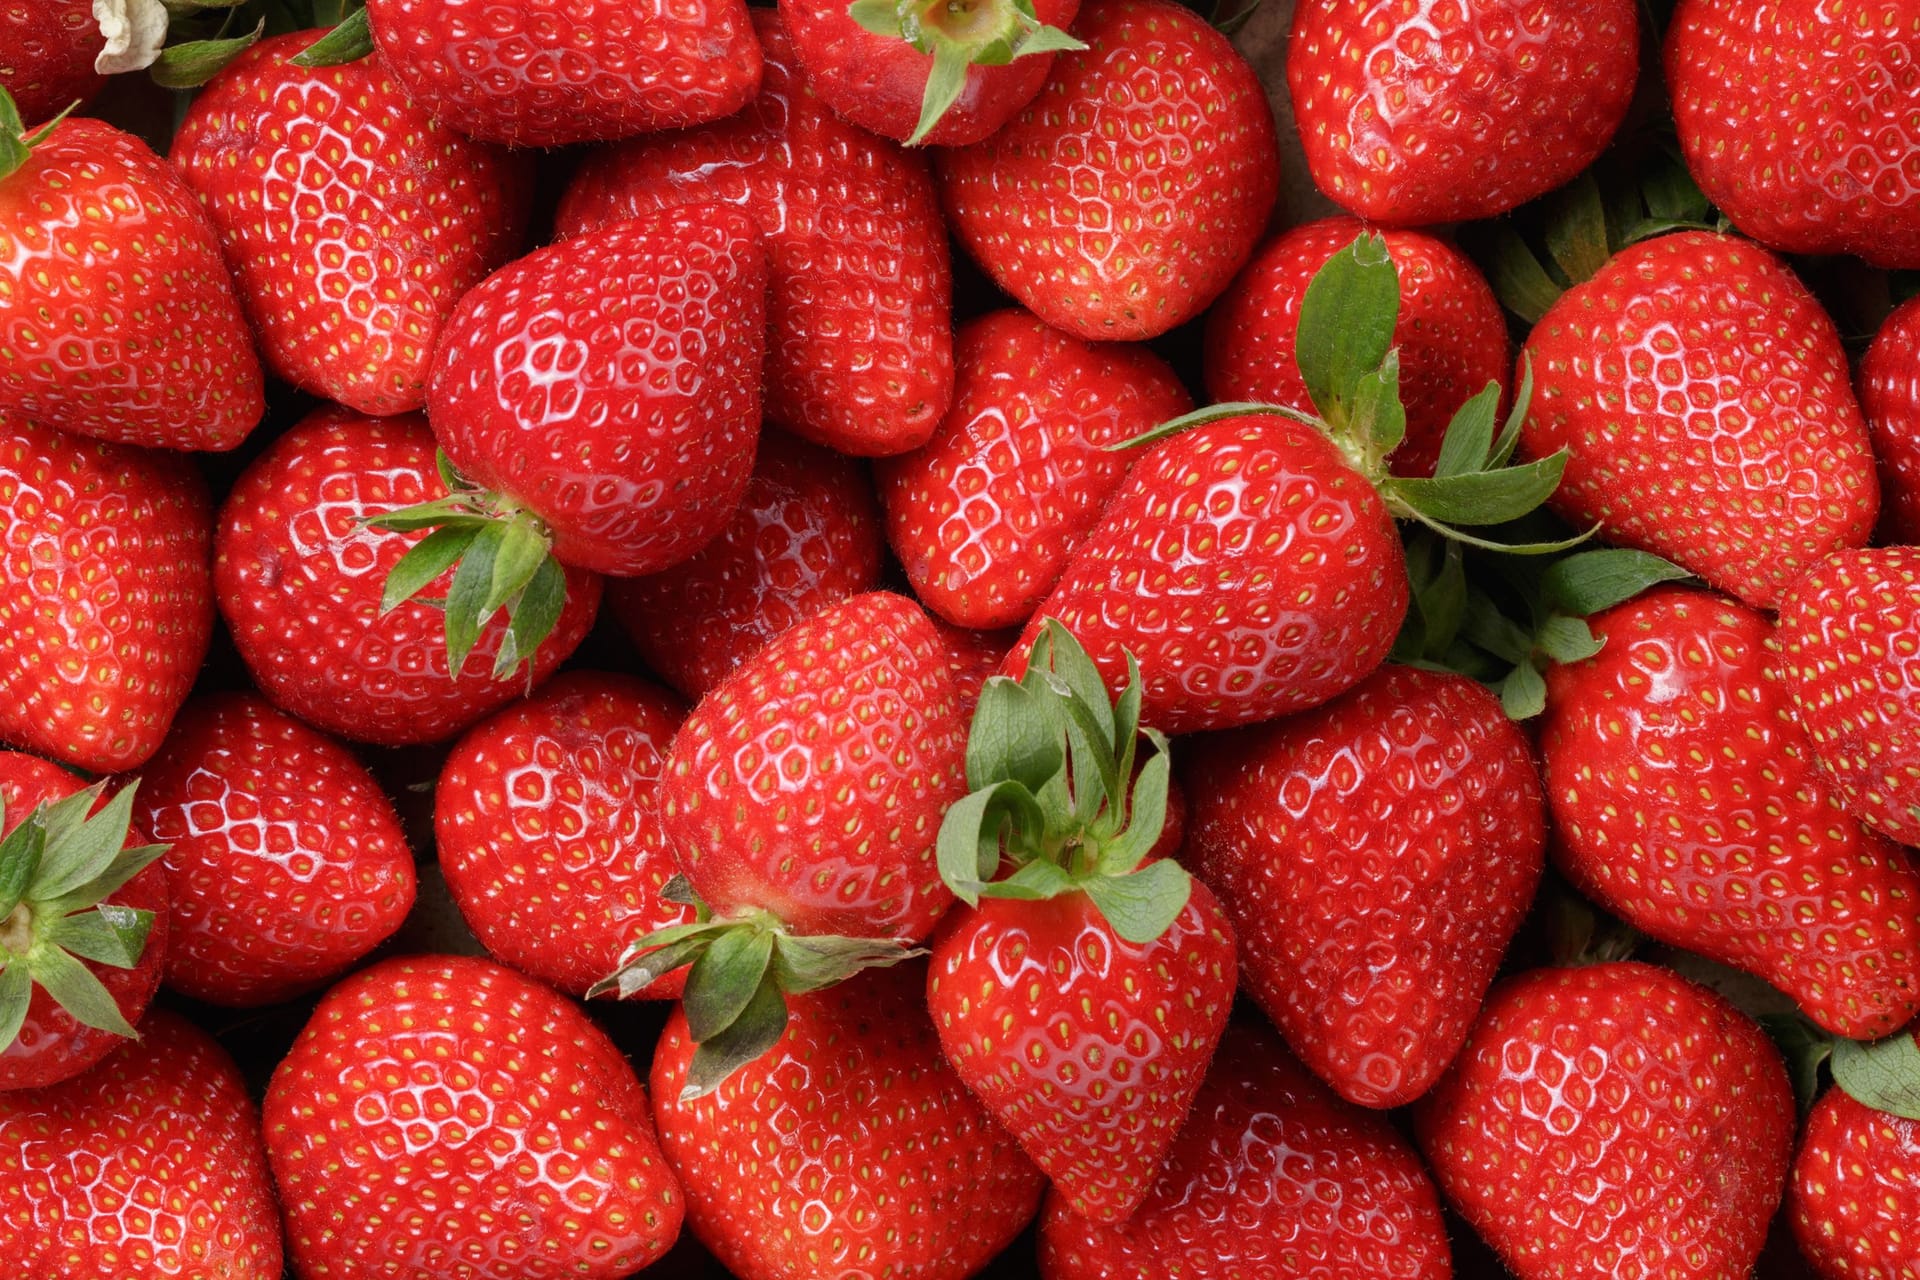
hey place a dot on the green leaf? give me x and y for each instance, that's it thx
(88, 852)
(75, 989)
(1346, 324)
(465, 598)
(1143, 905)
(190, 65)
(1211, 414)
(1486, 626)
(109, 935)
(638, 972)
(351, 41)
(1483, 498)
(1126, 716)
(757, 1029)
(945, 80)
(1594, 581)
(453, 512)
(1884, 1075)
(803, 964)
(523, 549)
(1516, 417)
(1566, 639)
(1577, 229)
(428, 558)
(1037, 881)
(1522, 284)
(1014, 737)
(1379, 419)
(532, 617)
(881, 17)
(20, 856)
(1523, 694)
(1123, 852)
(1468, 445)
(680, 889)
(1047, 40)
(16, 994)
(723, 980)
(62, 819)
(1672, 195)
(1806, 1049)
(968, 847)
(1081, 677)
(127, 864)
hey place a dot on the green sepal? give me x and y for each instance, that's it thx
(89, 849)
(968, 847)
(1467, 446)
(351, 41)
(20, 855)
(1346, 325)
(1147, 819)
(1143, 904)
(945, 79)
(129, 863)
(757, 1029)
(1594, 581)
(426, 560)
(881, 17)
(723, 980)
(802, 964)
(1884, 1075)
(1035, 882)
(1566, 639)
(74, 988)
(15, 143)
(1576, 233)
(1806, 1049)
(1210, 414)
(110, 935)
(990, 33)
(1481, 497)
(1523, 692)
(16, 996)
(1013, 738)
(1518, 279)
(192, 64)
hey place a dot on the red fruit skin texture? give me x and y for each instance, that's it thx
(1375, 856)
(1855, 1192)
(1705, 399)
(51, 1046)
(1889, 387)
(1246, 565)
(1412, 114)
(611, 385)
(849, 1149)
(548, 825)
(299, 577)
(812, 783)
(351, 221)
(877, 81)
(50, 47)
(1687, 802)
(805, 536)
(973, 657)
(1613, 1120)
(1087, 1048)
(1271, 1178)
(150, 1165)
(117, 318)
(532, 74)
(859, 313)
(288, 863)
(441, 1116)
(1451, 334)
(1799, 120)
(1122, 200)
(984, 516)
(106, 595)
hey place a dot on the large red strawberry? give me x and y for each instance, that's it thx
(859, 324)
(286, 862)
(849, 1150)
(1889, 385)
(1122, 200)
(985, 514)
(106, 597)
(1855, 1191)
(548, 825)
(49, 48)
(1375, 856)
(299, 574)
(148, 1165)
(1704, 400)
(1687, 802)
(351, 221)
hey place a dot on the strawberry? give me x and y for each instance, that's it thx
(298, 573)
(1687, 802)
(442, 1116)
(119, 319)
(1376, 856)
(529, 73)
(49, 48)
(1451, 335)
(1796, 119)
(1889, 386)
(805, 537)
(850, 1150)
(150, 1161)
(1412, 115)
(985, 514)
(1122, 200)
(1855, 1190)
(106, 598)
(84, 933)
(1613, 1120)
(972, 656)
(1703, 397)
(548, 824)
(859, 341)
(286, 861)
(1271, 1176)
(351, 221)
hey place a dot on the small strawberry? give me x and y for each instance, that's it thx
(985, 514)
(548, 824)
(1855, 1191)
(1122, 200)
(849, 1150)
(106, 594)
(1889, 385)
(466, 1122)
(805, 537)
(287, 862)
(148, 1165)
(1613, 1120)
(49, 48)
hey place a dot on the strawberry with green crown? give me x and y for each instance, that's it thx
(1855, 1190)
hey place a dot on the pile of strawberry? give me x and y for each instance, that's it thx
(1136, 743)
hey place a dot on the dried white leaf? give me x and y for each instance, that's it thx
(135, 31)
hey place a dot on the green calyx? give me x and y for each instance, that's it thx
(1881, 1074)
(959, 34)
(56, 869)
(350, 41)
(16, 144)
(1055, 798)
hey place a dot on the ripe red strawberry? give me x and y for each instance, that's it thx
(1376, 857)
(851, 1149)
(548, 825)
(106, 598)
(150, 1161)
(351, 221)
(299, 573)
(84, 932)
(859, 324)
(530, 73)
(805, 537)
(984, 515)
(1613, 1120)
(287, 862)
(1451, 335)
(49, 47)
(1122, 200)
(972, 656)
(468, 1122)
(1687, 802)
(1889, 384)
(1855, 1191)
(1272, 1176)
(119, 319)
(1665, 378)
(1412, 115)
